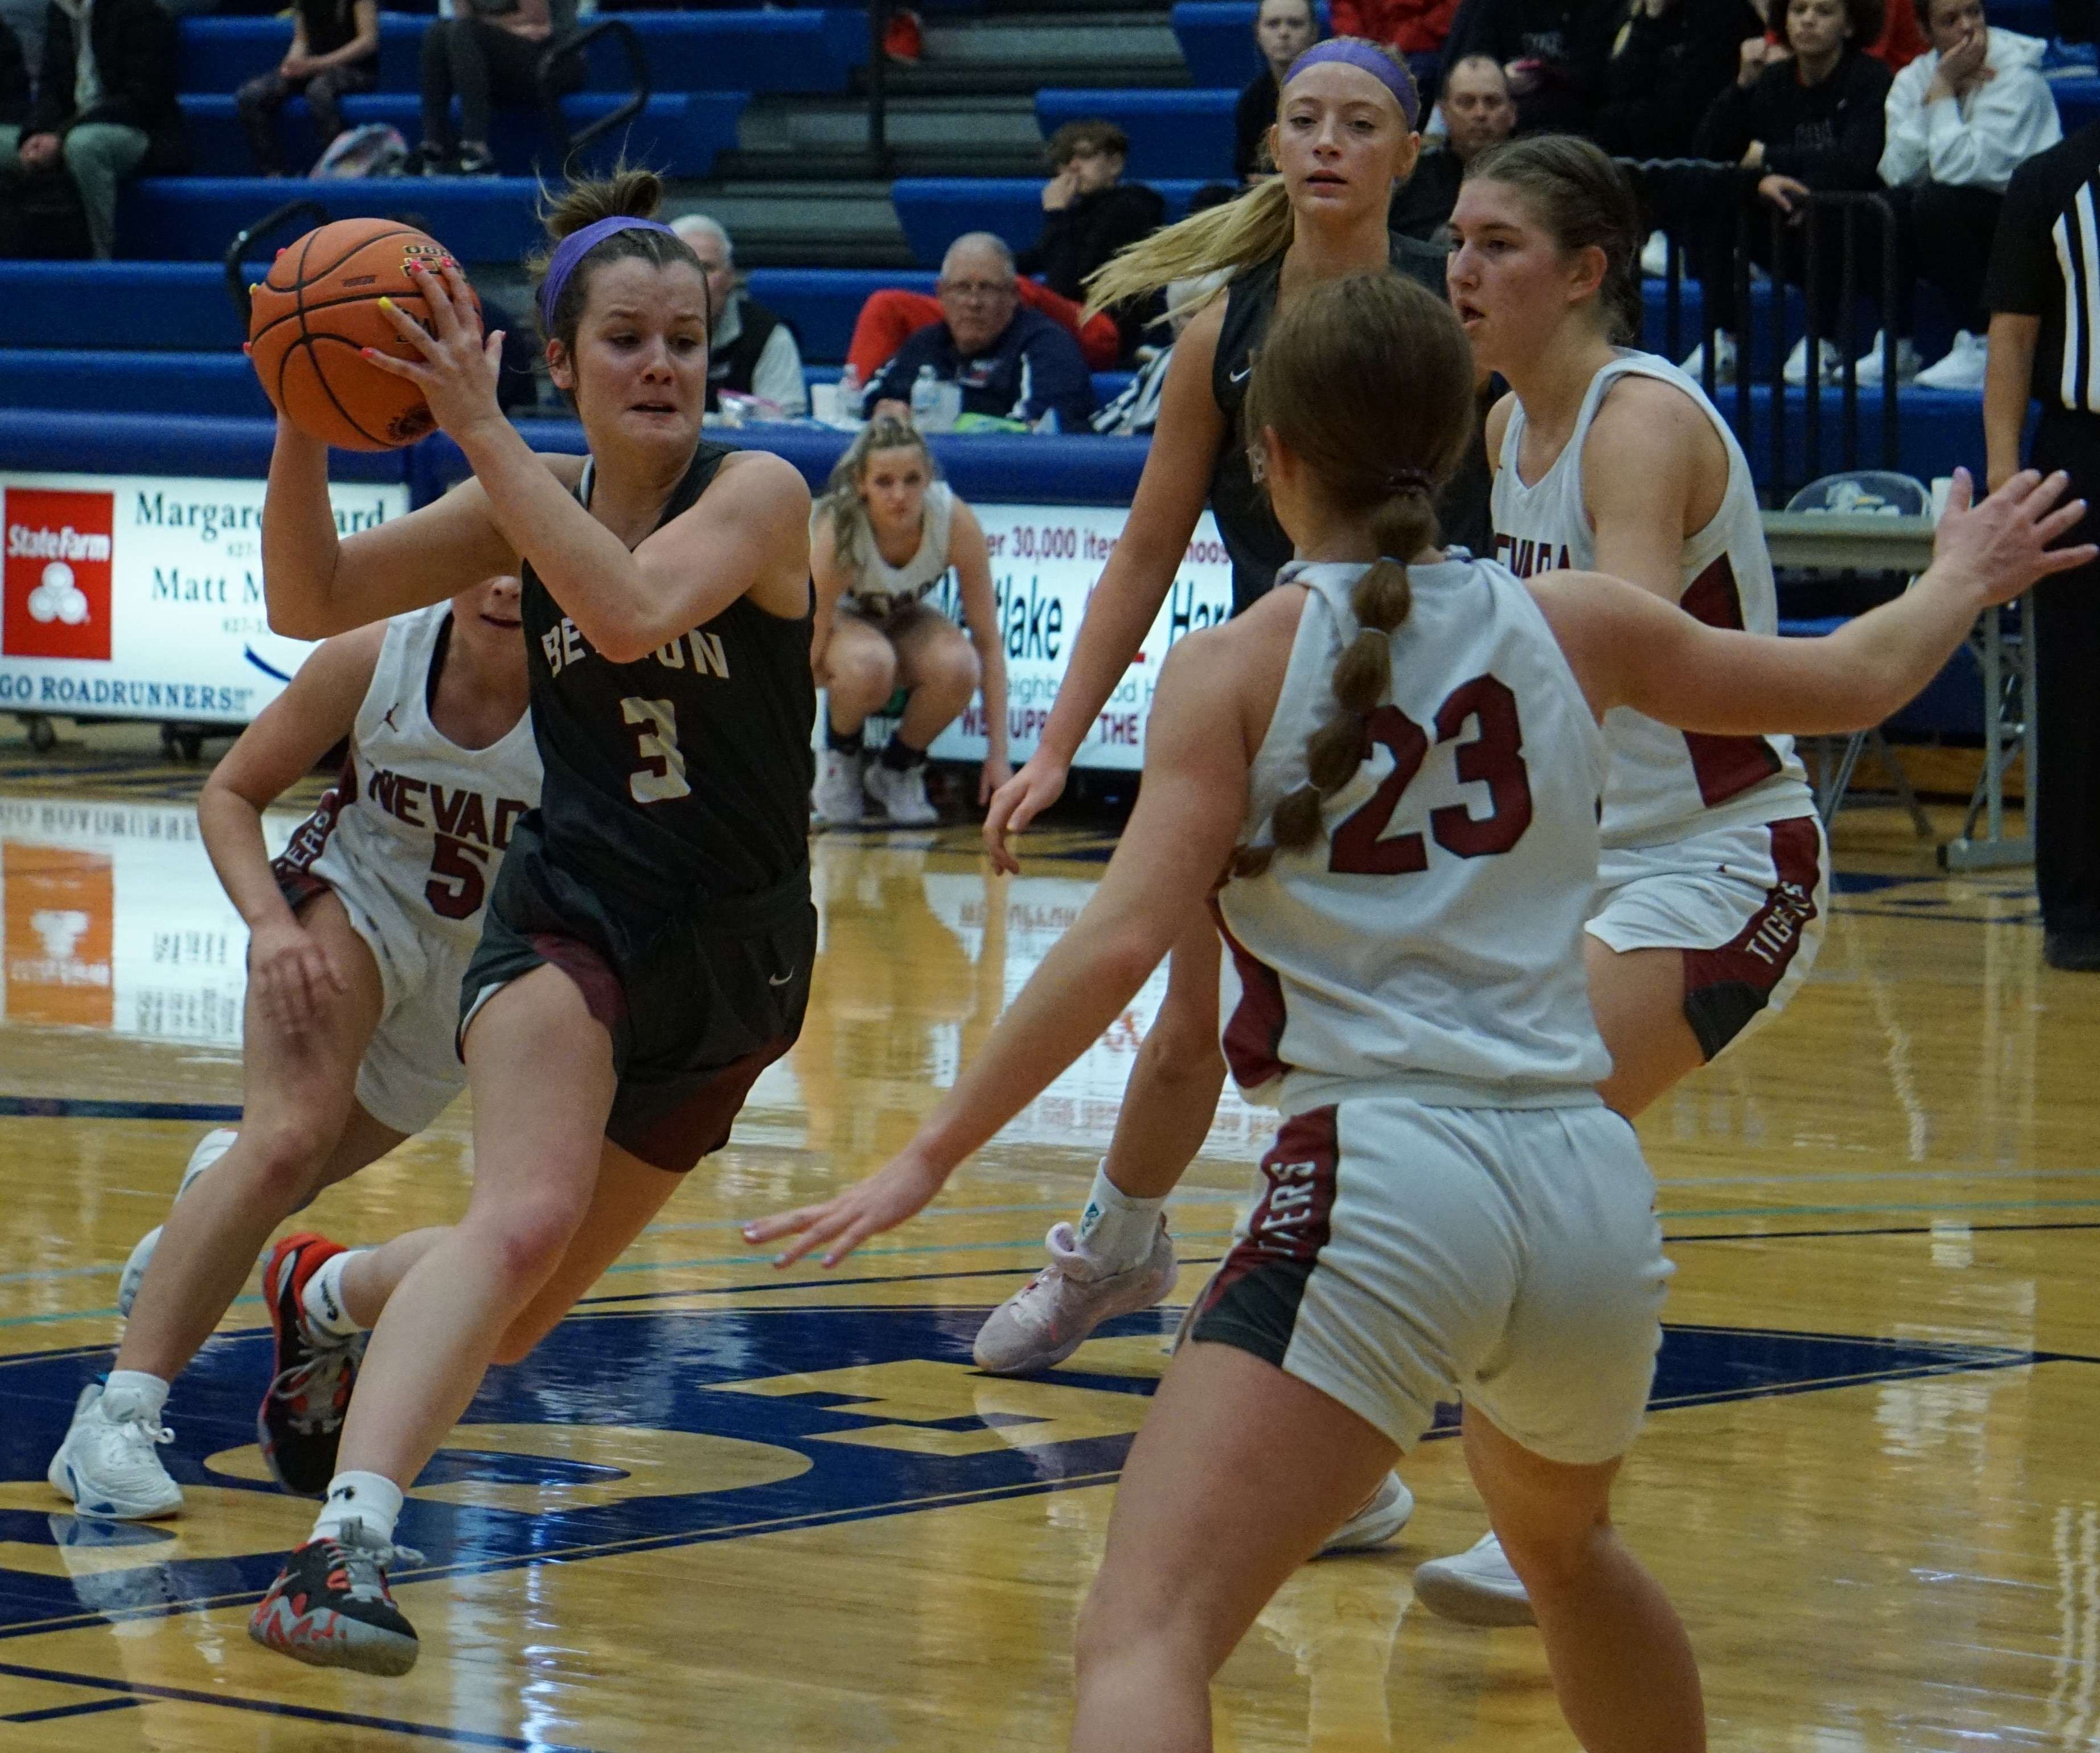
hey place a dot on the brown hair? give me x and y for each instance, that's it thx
(1234, 235)
(1865, 17)
(1368, 381)
(1090, 135)
(1576, 193)
(840, 498)
(624, 194)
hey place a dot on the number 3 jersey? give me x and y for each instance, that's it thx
(1429, 944)
(684, 775)
(415, 816)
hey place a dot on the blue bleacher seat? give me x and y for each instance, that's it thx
(678, 133)
(934, 211)
(115, 444)
(119, 304)
(211, 384)
(194, 218)
(1173, 134)
(1217, 40)
(809, 51)
(2077, 101)
(822, 302)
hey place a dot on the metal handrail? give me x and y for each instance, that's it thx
(236, 252)
(619, 116)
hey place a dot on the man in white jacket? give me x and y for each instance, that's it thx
(1960, 119)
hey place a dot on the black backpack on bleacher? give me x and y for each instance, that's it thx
(40, 216)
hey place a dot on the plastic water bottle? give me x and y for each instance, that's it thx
(926, 400)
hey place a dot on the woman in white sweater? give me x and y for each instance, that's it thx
(1960, 119)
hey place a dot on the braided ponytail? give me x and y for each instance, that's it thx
(1368, 381)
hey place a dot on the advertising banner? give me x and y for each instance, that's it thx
(141, 596)
(1045, 561)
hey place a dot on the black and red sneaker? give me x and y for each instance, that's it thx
(330, 1606)
(299, 1423)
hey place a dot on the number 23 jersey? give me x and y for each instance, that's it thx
(683, 774)
(1430, 943)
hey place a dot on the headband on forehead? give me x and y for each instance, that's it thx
(575, 247)
(1375, 62)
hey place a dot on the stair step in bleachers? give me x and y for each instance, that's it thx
(813, 50)
(1173, 134)
(194, 218)
(934, 211)
(678, 133)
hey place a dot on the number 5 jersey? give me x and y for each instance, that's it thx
(1429, 942)
(410, 839)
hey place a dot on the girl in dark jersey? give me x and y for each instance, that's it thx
(1344, 135)
(649, 941)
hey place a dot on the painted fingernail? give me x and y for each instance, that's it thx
(385, 303)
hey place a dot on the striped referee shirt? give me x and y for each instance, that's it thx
(2045, 263)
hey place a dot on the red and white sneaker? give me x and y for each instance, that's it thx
(299, 1423)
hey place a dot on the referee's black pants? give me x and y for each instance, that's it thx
(2066, 821)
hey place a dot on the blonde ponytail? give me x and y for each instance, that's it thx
(1234, 235)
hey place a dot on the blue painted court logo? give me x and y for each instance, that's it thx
(627, 1431)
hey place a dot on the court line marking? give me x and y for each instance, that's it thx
(139, 1692)
(57, 1711)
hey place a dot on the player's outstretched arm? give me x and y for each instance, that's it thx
(1627, 648)
(1180, 834)
(288, 972)
(1170, 492)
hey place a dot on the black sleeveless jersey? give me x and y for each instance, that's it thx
(1252, 537)
(684, 775)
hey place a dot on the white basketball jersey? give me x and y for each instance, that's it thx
(1665, 785)
(1431, 940)
(415, 814)
(881, 589)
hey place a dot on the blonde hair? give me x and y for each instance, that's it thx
(852, 540)
(1225, 239)
(1368, 381)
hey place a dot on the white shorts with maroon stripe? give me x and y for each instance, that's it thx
(1747, 904)
(1400, 1255)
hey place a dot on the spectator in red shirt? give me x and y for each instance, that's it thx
(1410, 27)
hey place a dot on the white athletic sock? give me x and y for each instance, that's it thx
(321, 1301)
(370, 1498)
(1116, 1230)
(126, 1391)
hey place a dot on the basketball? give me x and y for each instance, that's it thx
(317, 306)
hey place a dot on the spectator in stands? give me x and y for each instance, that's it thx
(1553, 52)
(1797, 122)
(105, 103)
(1089, 212)
(335, 50)
(25, 20)
(1478, 113)
(1414, 30)
(15, 90)
(1012, 363)
(1283, 30)
(489, 53)
(1668, 63)
(1960, 119)
(2043, 307)
(891, 316)
(751, 351)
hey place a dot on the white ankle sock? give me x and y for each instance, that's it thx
(321, 1301)
(125, 1391)
(370, 1498)
(1115, 1228)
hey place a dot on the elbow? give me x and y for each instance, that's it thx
(296, 622)
(622, 639)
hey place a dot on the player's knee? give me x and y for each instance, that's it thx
(527, 1240)
(283, 1165)
(953, 670)
(867, 675)
(1552, 1558)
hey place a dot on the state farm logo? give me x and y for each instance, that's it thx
(58, 550)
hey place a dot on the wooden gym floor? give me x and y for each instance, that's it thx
(726, 1509)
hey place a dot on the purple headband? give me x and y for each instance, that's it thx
(575, 247)
(1374, 61)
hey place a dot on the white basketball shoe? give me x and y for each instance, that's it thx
(111, 1466)
(1476, 1586)
(1383, 1514)
(902, 793)
(210, 1148)
(837, 798)
(1049, 1317)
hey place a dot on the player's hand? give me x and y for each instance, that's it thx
(901, 1188)
(2003, 545)
(459, 365)
(1784, 192)
(40, 152)
(991, 776)
(295, 66)
(292, 978)
(1016, 803)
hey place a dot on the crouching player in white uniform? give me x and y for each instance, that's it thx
(1389, 778)
(359, 936)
